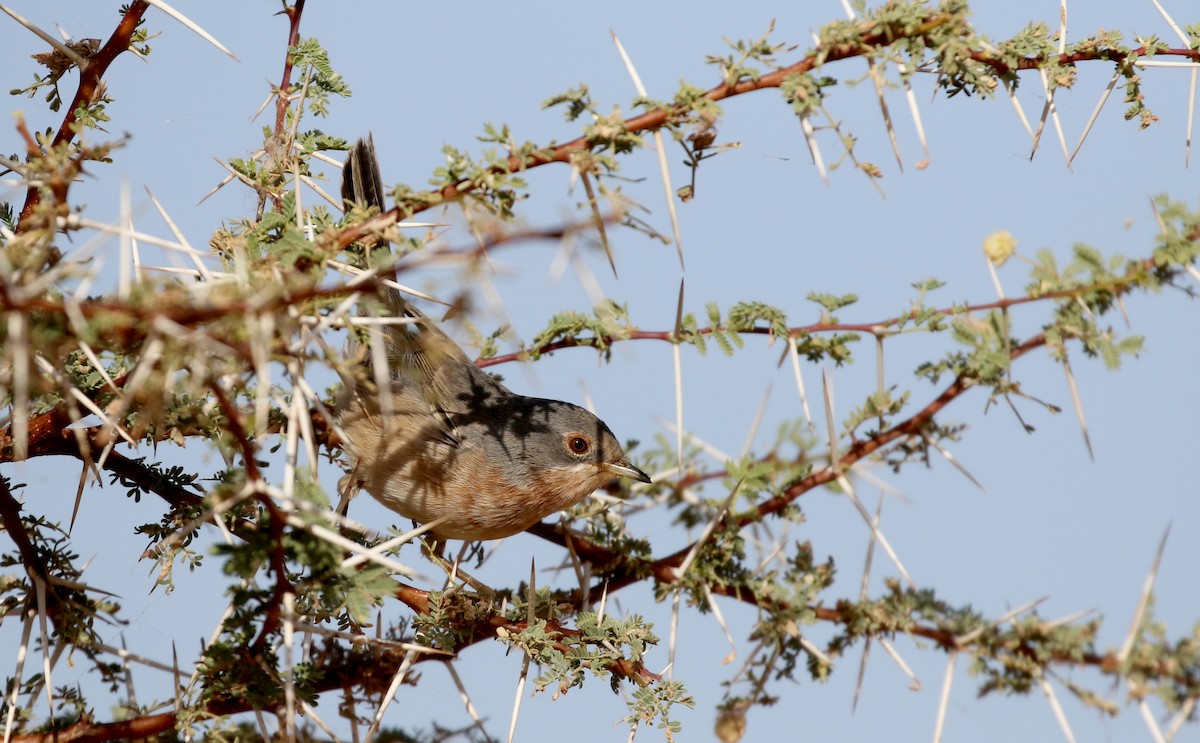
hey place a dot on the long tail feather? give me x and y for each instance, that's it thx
(420, 352)
(361, 181)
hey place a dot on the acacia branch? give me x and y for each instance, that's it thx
(334, 669)
(10, 518)
(885, 327)
(282, 95)
(872, 36)
(664, 568)
(90, 76)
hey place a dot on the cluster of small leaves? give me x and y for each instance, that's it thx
(955, 46)
(603, 647)
(87, 378)
(489, 181)
(805, 92)
(831, 303)
(57, 64)
(1133, 86)
(230, 668)
(720, 562)
(916, 448)
(836, 347)
(652, 705)
(608, 529)
(1014, 658)
(167, 557)
(608, 322)
(607, 647)
(173, 477)
(542, 603)
(452, 619)
(1035, 41)
(690, 107)
(346, 596)
(238, 666)
(94, 113)
(8, 219)
(898, 611)
(274, 241)
(31, 249)
(1094, 285)
(766, 474)
(880, 407)
(524, 153)
(919, 313)
(577, 102)
(410, 200)
(325, 591)
(742, 63)
(744, 317)
(320, 79)
(72, 609)
(690, 332)
(780, 631)
(786, 598)
(1169, 669)
(69, 707)
(609, 135)
(1177, 244)
(894, 21)
(488, 345)
(989, 355)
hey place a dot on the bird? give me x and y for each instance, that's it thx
(450, 445)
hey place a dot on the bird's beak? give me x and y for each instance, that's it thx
(627, 470)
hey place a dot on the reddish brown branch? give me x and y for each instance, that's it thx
(280, 147)
(49, 435)
(90, 76)
(89, 731)
(282, 587)
(652, 120)
(883, 327)
(283, 95)
(233, 421)
(656, 119)
(10, 518)
(1111, 55)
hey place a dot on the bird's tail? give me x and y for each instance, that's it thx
(362, 186)
(361, 181)
(416, 350)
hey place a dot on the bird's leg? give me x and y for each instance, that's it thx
(454, 572)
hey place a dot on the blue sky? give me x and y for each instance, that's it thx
(1052, 523)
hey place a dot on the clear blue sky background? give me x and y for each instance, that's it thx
(763, 226)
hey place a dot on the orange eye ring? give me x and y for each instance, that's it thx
(578, 444)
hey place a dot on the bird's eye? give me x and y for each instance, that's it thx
(578, 444)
